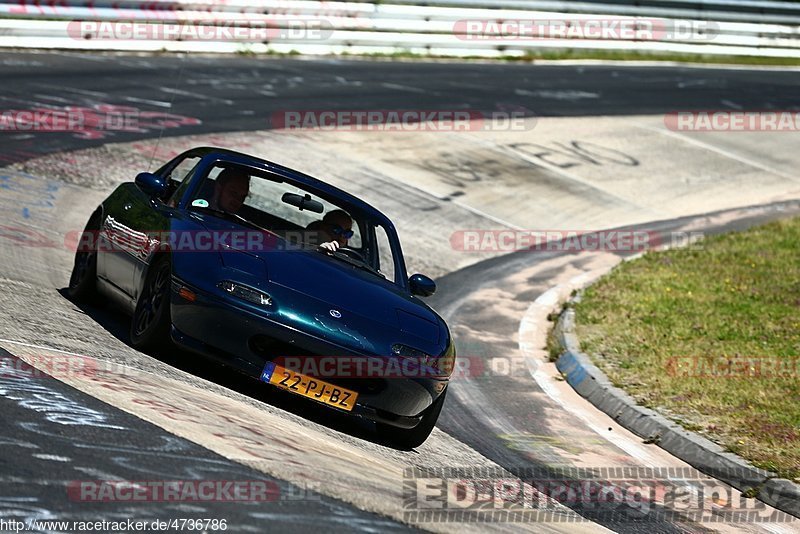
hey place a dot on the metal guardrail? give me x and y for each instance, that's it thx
(441, 27)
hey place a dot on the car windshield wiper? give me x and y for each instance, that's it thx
(352, 261)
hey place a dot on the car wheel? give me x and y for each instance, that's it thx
(83, 280)
(414, 437)
(151, 319)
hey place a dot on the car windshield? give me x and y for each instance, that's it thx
(300, 217)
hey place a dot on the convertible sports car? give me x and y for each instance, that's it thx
(231, 256)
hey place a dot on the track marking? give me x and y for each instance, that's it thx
(407, 88)
(569, 95)
(52, 457)
(730, 104)
(261, 439)
(85, 92)
(158, 103)
(31, 345)
(721, 151)
(199, 96)
(544, 304)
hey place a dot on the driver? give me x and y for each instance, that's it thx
(230, 190)
(335, 229)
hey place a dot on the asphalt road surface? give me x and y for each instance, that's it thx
(182, 419)
(240, 94)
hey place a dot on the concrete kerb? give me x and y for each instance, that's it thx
(702, 454)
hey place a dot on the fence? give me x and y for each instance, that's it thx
(485, 28)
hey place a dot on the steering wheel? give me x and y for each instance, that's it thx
(353, 253)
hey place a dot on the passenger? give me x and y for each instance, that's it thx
(335, 229)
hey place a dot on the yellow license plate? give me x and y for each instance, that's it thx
(313, 388)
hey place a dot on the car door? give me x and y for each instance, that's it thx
(132, 227)
(153, 219)
(119, 238)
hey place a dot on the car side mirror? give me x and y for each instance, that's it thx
(421, 285)
(151, 184)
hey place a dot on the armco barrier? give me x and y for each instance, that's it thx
(713, 27)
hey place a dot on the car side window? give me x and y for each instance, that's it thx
(179, 178)
(385, 255)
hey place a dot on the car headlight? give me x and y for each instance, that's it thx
(245, 293)
(442, 367)
(398, 349)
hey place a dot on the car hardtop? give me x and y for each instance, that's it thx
(212, 155)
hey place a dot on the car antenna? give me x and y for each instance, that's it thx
(171, 100)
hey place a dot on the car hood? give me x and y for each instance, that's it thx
(342, 302)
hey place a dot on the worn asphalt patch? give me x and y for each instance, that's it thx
(57, 437)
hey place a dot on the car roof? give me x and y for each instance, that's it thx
(313, 184)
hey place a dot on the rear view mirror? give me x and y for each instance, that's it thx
(302, 202)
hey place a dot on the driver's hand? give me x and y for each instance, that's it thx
(330, 246)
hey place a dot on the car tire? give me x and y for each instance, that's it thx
(151, 320)
(83, 279)
(412, 438)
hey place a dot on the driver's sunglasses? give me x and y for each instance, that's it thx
(341, 232)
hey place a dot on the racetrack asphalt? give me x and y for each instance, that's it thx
(241, 94)
(56, 438)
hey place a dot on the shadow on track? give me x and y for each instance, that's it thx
(117, 324)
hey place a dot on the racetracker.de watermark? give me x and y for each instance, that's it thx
(89, 122)
(69, 120)
(441, 495)
(404, 120)
(571, 240)
(173, 491)
(592, 28)
(735, 367)
(249, 30)
(733, 121)
(60, 366)
(461, 367)
(117, 238)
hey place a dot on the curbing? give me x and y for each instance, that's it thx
(702, 454)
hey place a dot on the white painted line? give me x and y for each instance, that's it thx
(721, 151)
(691, 83)
(52, 457)
(31, 345)
(158, 103)
(564, 94)
(199, 96)
(730, 104)
(407, 88)
(540, 307)
(54, 98)
(96, 94)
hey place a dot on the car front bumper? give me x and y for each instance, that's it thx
(227, 331)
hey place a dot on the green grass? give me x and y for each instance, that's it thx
(608, 55)
(737, 297)
(625, 55)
